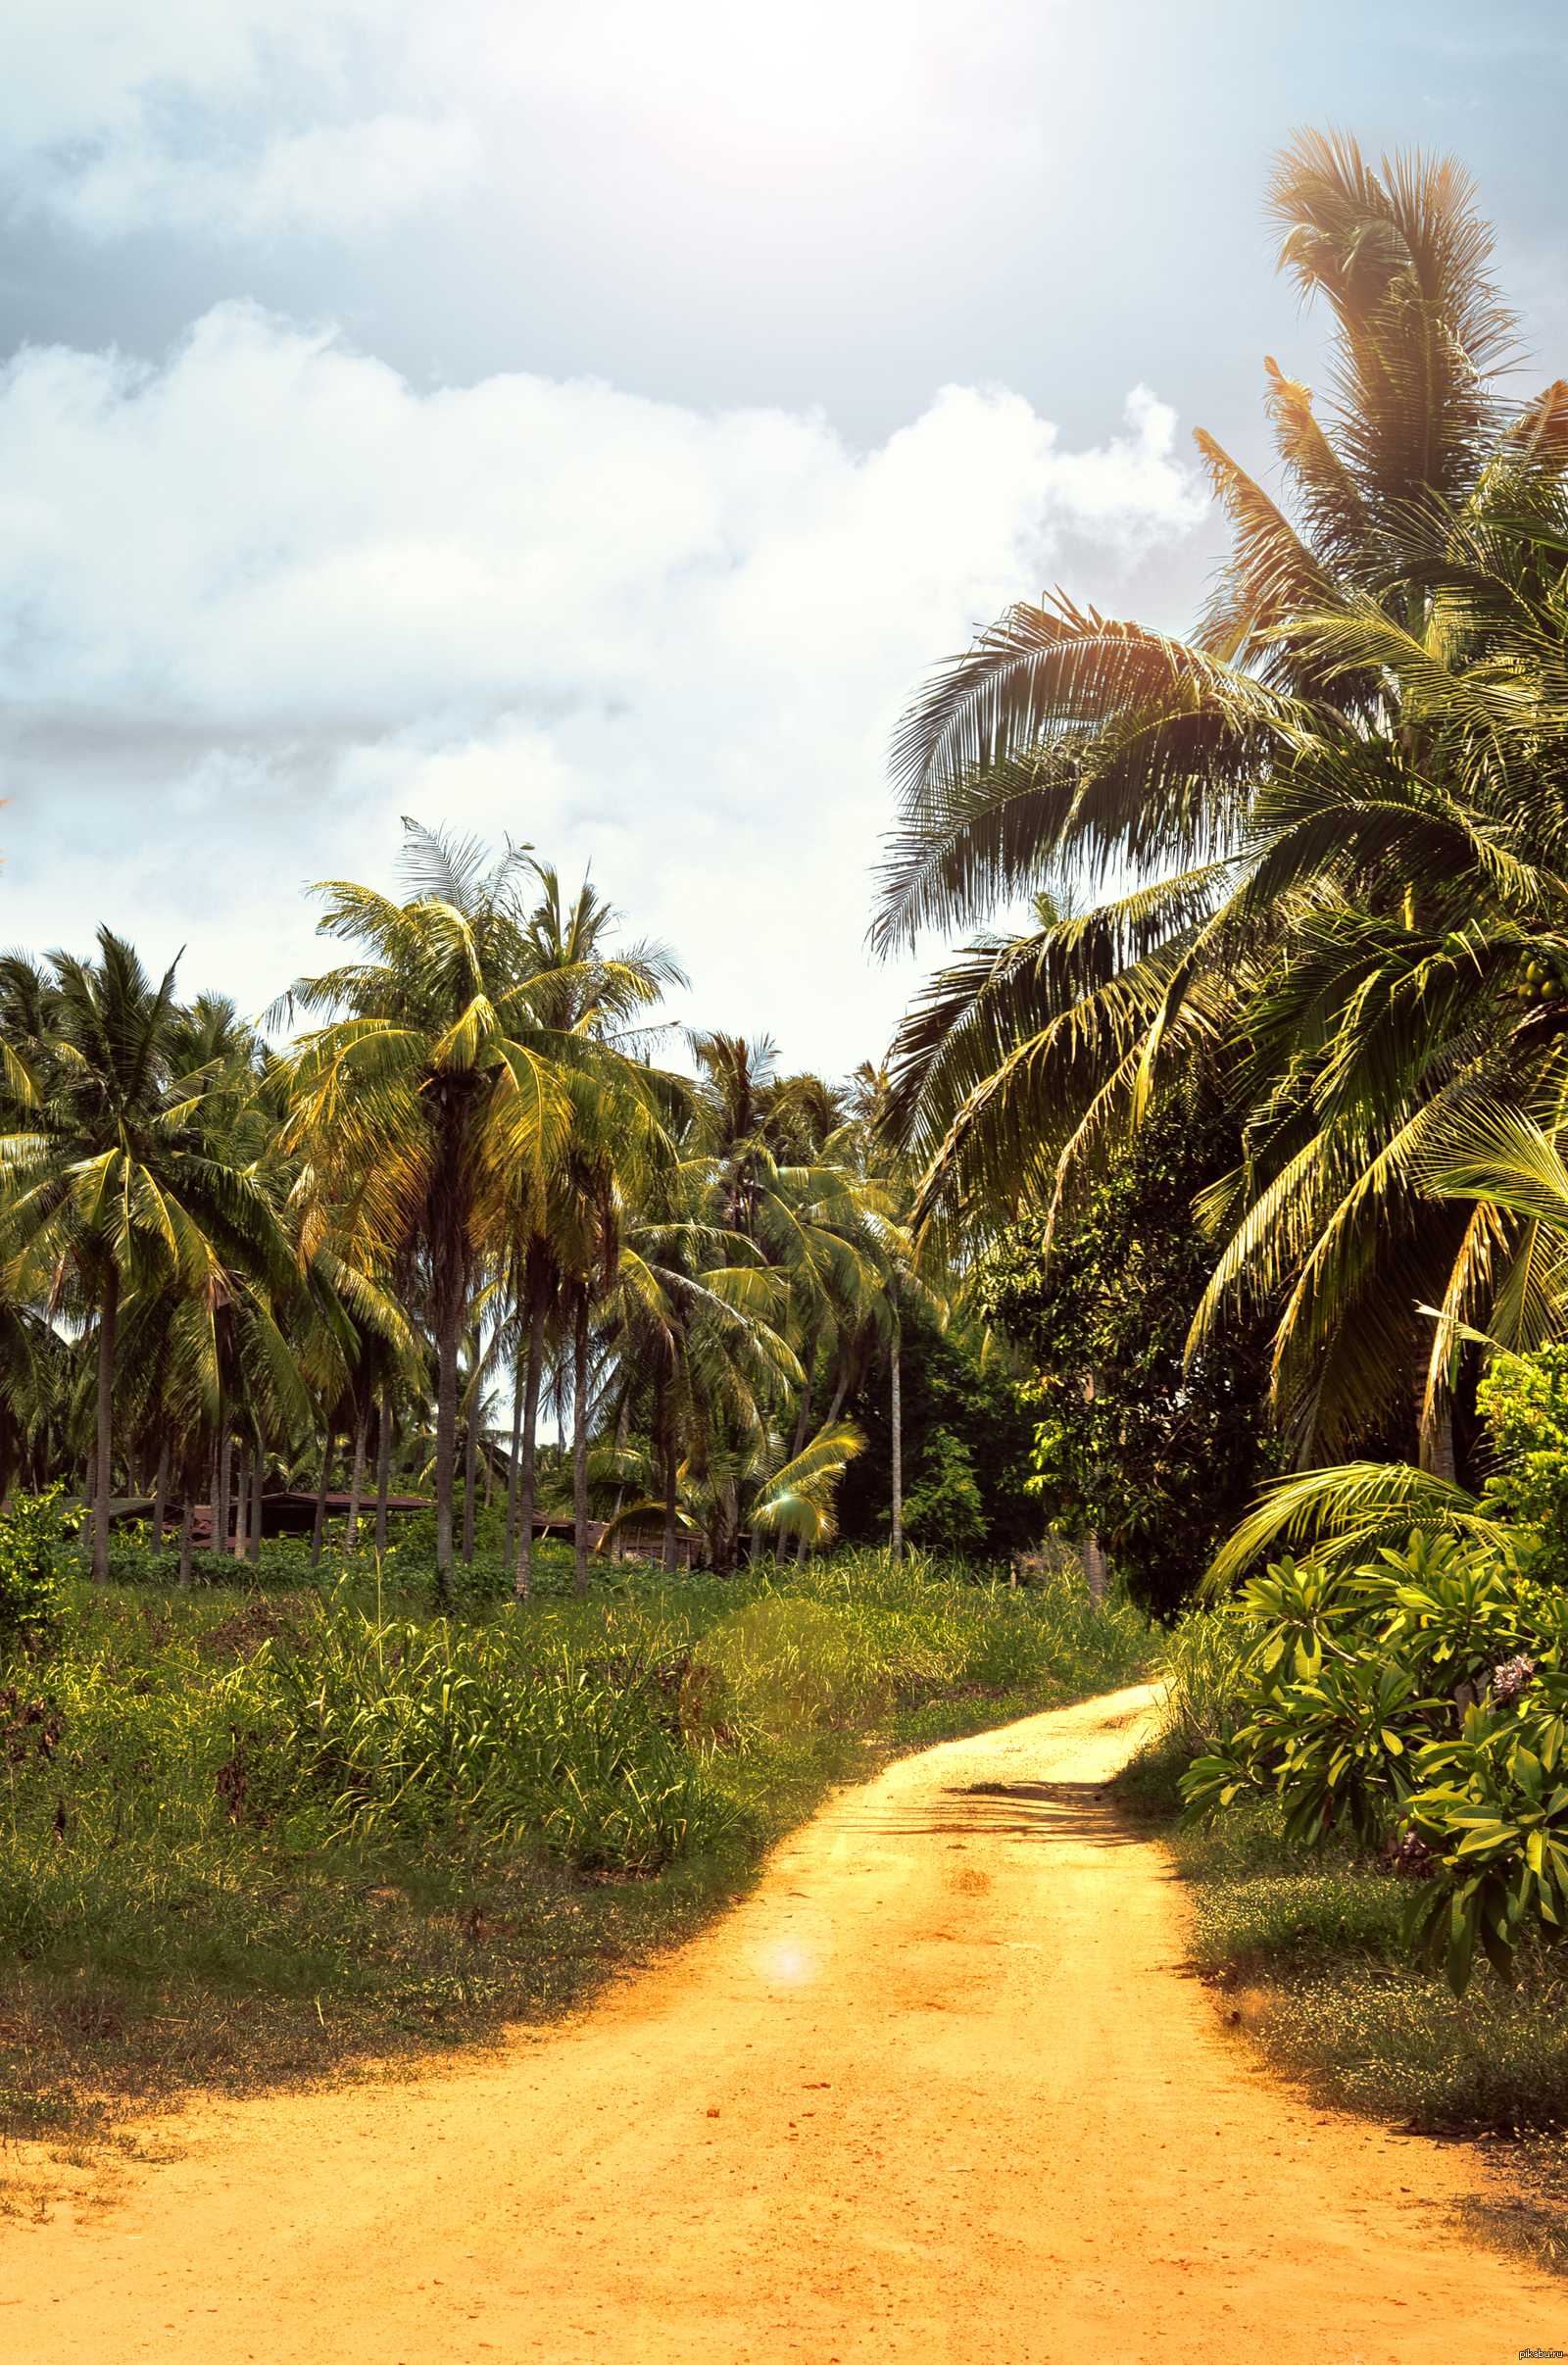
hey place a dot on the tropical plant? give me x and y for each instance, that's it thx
(110, 1182)
(1419, 1701)
(444, 1099)
(1337, 808)
(1156, 1452)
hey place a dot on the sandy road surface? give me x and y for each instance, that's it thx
(936, 2093)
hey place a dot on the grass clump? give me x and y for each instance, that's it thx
(255, 1833)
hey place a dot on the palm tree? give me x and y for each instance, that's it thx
(1283, 791)
(443, 1103)
(410, 1108)
(109, 1181)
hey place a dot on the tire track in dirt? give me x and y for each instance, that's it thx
(936, 2092)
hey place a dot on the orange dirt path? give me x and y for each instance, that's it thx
(936, 2093)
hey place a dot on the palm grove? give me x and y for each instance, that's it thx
(467, 1194)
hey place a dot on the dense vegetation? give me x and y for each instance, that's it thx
(1221, 1226)
(1156, 1452)
(1368, 1747)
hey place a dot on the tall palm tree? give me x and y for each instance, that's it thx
(108, 1179)
(1270, 789)
(442, 1102)
(409, 1106)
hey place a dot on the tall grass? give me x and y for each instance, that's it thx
(393, 1726)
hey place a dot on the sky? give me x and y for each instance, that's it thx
(589, 425)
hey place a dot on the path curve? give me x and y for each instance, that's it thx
(937, 2092)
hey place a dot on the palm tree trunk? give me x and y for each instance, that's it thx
(470, 1471)
(623, 1428)
(319, 1531)
(383, 1467)
(257, 1481)
(579, 1441)
(446, 1448)
(187, 1523)
(107, 1320)
(801, 1426)
(226, 1453)
(161, 1496)
(1094, 1554)
(451, 1197)
(242, 1492)
(351, 1526)
(670, 1469)
(898, 1445)
(213, 1545)
(520, 1383)
(530, 1414)
(90, 1500)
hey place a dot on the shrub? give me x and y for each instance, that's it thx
(31, 1588)
(1420, 1703)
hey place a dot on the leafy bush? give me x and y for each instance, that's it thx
(31, 1588)
(1419, 1704)
(1164, 1457)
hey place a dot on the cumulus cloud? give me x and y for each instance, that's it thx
(258, 601)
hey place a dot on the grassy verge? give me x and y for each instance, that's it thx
(266, 1835)
(1303, 1953)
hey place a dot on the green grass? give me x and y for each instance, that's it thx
(1308, 1949)
(281, 1830)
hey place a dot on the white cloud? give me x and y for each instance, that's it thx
(256, 604)
(270, 118)
(252, 117)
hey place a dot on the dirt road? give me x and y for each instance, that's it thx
(938, 2092)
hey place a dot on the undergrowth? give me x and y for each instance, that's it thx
(252, 1833)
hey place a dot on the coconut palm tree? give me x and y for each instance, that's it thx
(443, 1098)
(1288, 791)
(109, 1182)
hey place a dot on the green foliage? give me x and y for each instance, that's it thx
(944, 1509)
(1418, 1701)
(398, 1727)
(1321, 1936)
(1525, 1400)
(967, 1430)
(31, 1588)
(1164, 1455)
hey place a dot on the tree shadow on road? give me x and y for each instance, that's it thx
(1081, 1811)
